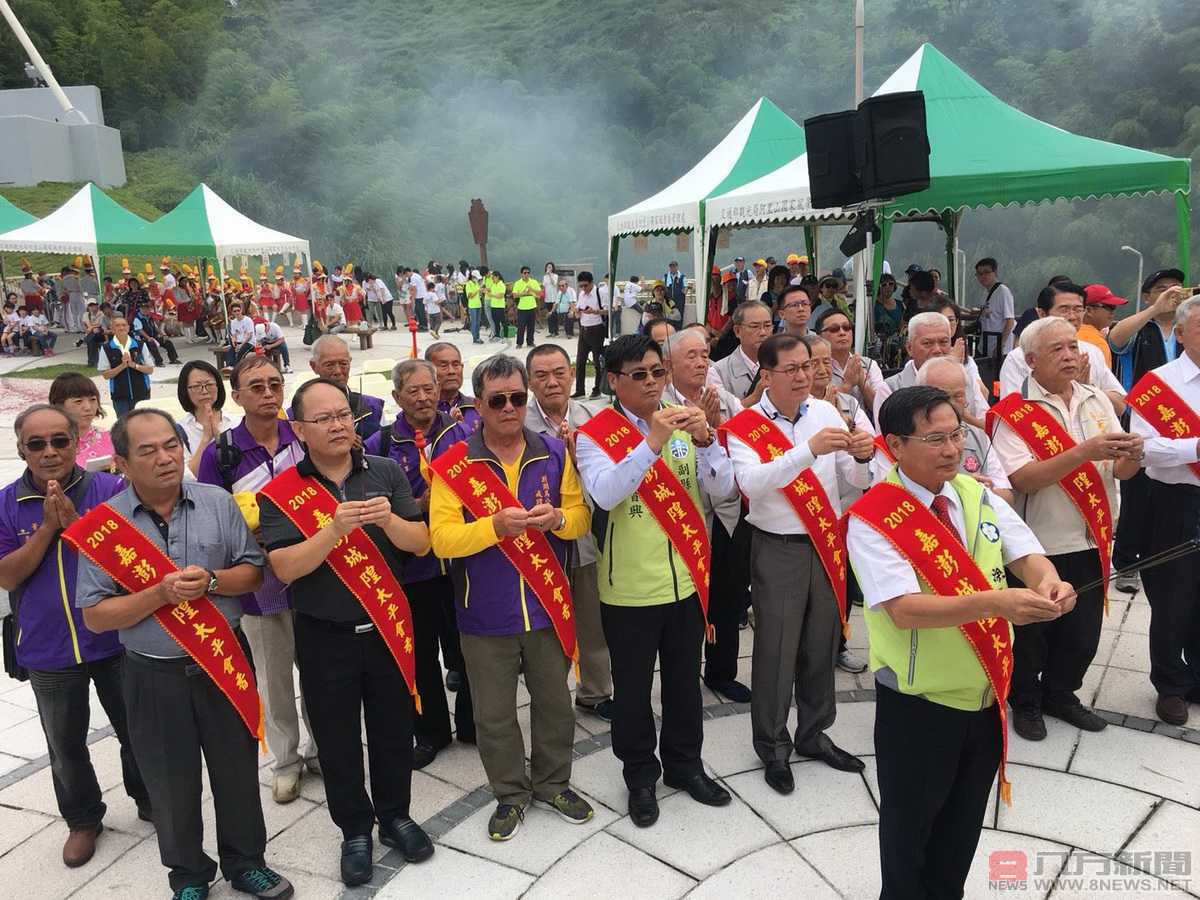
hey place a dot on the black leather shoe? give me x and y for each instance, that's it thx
(831, 754)
(1078, 715)
(146, 814)
(1029, 724)
(408, 837)
(643, 807)
(701, 788)
(424, 754)
(453, 681)
(733, 691)
(356, 860)
(778, 775)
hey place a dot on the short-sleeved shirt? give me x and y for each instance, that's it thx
(320, 593)
(997, 310)
(206, 529)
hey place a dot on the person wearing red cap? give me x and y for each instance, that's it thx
(1099, 307)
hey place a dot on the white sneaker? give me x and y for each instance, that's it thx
(850, 662)
(287, 370)
(286, 787)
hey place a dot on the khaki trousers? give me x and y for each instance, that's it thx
(273, 644)
(595, 669)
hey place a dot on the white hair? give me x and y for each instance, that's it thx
(941, 362)
(1031, 337)
(324, 341)
(926, 320)
(676, 341)
(1184, 309)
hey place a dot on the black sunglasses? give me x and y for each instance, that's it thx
(642, 374)
(38, 444)
(502, 399)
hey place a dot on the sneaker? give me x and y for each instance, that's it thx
(285, 787)
(263, 883)
(851, 662)
(287, 370)
(1128, 584)
(191, 892)
(602, 710)
(505, 821)
(569, 805)
(1078, 715)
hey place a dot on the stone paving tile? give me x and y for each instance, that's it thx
(599, 776)
(1132, 651)
(1171, 829)
(459, 764)
(727, 744)
(1063, 807)
(767, 874)
(1127, 692)
(1050, 854)
(1052, 753)
(11, 714)
(1115, 880)
(823, 799)
(25, 739)
(37, 862)
(1149, 762)
(673, 838)
(312, 844)
(605, 868)
(847, 859)
(854, 728)
(18, 824)
(1138, 619)
(540, 842)
(10, 763)
(451, 873)
(138, 875)
(430, 796)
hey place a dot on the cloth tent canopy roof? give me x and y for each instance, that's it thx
(764, 139)
(984, 153)
(90, 223)
(13, 216)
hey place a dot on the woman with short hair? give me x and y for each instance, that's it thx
(201, 393)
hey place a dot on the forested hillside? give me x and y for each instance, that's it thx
(368, 126)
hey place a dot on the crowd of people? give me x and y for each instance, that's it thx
(746, 467)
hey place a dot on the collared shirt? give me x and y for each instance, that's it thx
(762, 482)
(589, 304)
(206, 529)
(977, 402)
(727, 509)
(874, 377)
(1167, 459)
(194, 431)
(1015, 370)
(465, 405)
(977, 459)
(1051, 514)
(321, 593)
(608, 483)
(883, 574)
(737, 373)
(577, 414)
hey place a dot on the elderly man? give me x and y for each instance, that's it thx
(331, 359)
(176, 610)
(426, 579)
(787, 445)
(508, 502)
(685, 357)
(644, 465)
(452, 402)
(63, 657)
(738, 372)
(1063, 447)
(339, 527)
(242, 460)
(553, 413)
(929, 335)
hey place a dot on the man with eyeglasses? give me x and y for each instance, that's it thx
(644, 465)
(929, 547)
(507, 503)
(738, 372)
(340, 527)
(331, 359)
(795, 310)
(242, 460)
(789, 451)
(193, 552)
(447, 360)
(1067, 494)
(592, 313)
(62, 656)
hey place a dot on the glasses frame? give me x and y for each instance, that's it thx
(57, 441)
(507, 397)
(939, 438)
(345, 417)
(658, 374)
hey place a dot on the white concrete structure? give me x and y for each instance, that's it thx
(40, 144)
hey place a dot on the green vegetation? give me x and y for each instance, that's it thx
(369, 126)
(50, 372)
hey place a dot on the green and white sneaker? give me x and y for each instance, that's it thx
(569, 805)
(505, 821)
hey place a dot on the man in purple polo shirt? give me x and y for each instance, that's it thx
(63, 657)
(242, 460)
(451, 400)
(426, 578)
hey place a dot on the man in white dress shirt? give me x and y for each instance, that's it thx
(929, 335)
(1173, 589)
(795, 608)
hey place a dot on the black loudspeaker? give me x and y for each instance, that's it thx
(856, 238)
(894, 144)
(832, 171)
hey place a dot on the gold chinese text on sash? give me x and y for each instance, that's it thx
(1165, 410)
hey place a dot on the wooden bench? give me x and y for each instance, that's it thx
(366, 338)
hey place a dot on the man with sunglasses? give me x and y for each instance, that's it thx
(331, 359)
(510, 621)
(342, 507)
(242, 460)
(651, 605)
(738, 372)
(795, 579)
(63, 657)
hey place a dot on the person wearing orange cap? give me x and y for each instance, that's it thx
(353, 297)
(1099, 307)
(797, 266)
(758, 282)
(299, 291)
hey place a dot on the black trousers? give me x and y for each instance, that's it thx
(637, 636)
(1051, 658)
(93, 342)
(389, 313)
(432, 725)
(63, 705)
(936, 768)
(728, 599)
(345, 677)
(1133, 526)
(591, 341)
(526, 318)
(499, 321)
(1173, 590)
(175, 712)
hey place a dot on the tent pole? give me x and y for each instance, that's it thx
(950, 225)
(1183, 217)
(810, 241)
(861, 306)
(613, 249)
(816, 251)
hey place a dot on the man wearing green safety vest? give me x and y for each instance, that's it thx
(526, 291)
(495, 288)
(474, 305)
(929, 547)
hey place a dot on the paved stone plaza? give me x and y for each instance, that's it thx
(1080, 799)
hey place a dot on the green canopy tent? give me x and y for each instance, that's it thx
(13, 216)
(89, 223)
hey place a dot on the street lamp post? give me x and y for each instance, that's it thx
(1138, 288)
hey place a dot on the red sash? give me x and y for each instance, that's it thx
(942, 562)
(482, 494)
(881, 446)
(805, 494)
(136, 563)
(357, 562)
(1165, 410)
(1046, 438)
(666, 498)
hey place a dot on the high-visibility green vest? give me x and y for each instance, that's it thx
(525, 290)
(495, 288)
(472, 290)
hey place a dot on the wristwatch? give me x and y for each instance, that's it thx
(562, 521)
(212, 582)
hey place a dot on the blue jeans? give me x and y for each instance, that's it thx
(475, 322)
